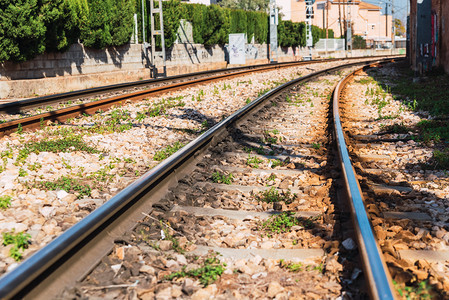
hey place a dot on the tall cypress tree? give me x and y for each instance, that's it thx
(95, 33)
(62, 22)
(22, 30)
(122, 21)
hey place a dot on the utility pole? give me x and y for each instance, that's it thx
(309, 37)
(392, 25)
(273, 30)
(386, 20)
(339, 17)
(349, 29)
(327, 19)
(143, 22)
(157, 32)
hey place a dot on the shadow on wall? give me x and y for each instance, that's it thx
(75, 61)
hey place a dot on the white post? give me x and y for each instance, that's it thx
(135, 38)
(143, 22)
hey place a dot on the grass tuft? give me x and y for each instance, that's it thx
(167, 151)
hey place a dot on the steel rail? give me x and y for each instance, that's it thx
(36, 276)
(376, 272)
(61, 115)
(17, 106)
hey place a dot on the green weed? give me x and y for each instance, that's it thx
(280, 223)
(276, 163)
(440, 160)
(316, 146)
(419, 290)
(365, 80)
(271, 177)
(169, 237)
(5, 201)
(168, 151)
(103, 174)
(67, 184)
(218, 177)
(207, 274)
(19, 129)
(20, 242)
(34, 167)
(284, 222)
(68, 144)
(22, 173)
(433, 130)
(253, 161)
(140, 116)
(263, 92)
(275, 195)
(298, 267)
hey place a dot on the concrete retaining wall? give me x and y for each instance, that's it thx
(81, 68)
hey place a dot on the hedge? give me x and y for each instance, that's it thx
(109, 23)
(30, 27)
(22, 30)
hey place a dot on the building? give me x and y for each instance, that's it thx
(366, 19)
(429, 35)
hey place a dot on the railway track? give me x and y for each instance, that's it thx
(404, 184)
(32, 113)
(260, 190)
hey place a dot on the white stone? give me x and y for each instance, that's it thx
(260, 274)
(147, 269)
(9, 226)
(61, 194)
(47, 211)
(274, 288)
(181, 259)
(349, 244)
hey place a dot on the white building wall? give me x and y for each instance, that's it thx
(285, 8)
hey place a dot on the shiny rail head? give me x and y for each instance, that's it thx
(376, 271)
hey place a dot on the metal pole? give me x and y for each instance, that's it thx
(386, 21)
(392, 25)
(273, 31)
(349, 29)
(143, 22)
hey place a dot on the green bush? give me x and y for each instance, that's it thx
(122, 21)
(22, 30)
(217, 26)
(358, 42)
(96, 32)
(238, 21)
(61, 22)
(261, 27)
(291, 34)
(174, 11)
(210, 24)
(30, 27)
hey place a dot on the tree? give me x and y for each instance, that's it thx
(358, 42)
(399, 27)
(122, 21)
(61, 19)
(22, 30)
(252, 5)
(95, 33)
(238, 21)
